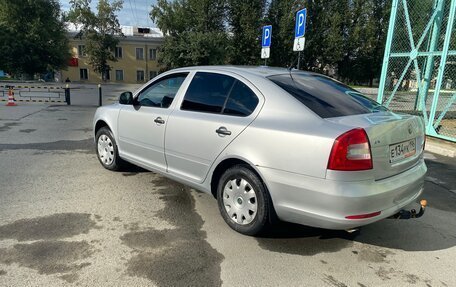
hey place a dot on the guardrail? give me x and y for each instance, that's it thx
(52, 94)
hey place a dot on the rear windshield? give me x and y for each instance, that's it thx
(325, 96)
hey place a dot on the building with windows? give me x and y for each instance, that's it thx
(136, 56)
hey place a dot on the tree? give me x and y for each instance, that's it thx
(245, 19)
(194, 34)
(100, 31)
(32, 36)
(366, 41)
(281, 15)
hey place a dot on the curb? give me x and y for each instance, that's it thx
(440, 147)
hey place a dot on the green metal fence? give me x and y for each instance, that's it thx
(419, 66)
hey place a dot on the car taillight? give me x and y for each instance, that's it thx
(351, 151)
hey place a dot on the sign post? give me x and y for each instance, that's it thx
(300, 31)
(266, 43)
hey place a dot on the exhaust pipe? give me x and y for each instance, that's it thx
(405, 214)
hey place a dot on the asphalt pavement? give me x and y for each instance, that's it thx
(66, 221)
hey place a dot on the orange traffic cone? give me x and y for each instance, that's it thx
(11, 100)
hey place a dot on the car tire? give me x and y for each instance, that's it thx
(243, 200)
(106, 149)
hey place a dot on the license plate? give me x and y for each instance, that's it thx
(402, 150)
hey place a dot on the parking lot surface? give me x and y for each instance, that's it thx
(65, 220)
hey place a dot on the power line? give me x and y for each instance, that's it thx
(133, 13)
(136, 9)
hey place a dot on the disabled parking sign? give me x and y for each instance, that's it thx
(300, 30)
(266, 42)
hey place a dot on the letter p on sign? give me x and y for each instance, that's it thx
(266, 38)
(300, 27)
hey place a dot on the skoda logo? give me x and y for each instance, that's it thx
(410, 129)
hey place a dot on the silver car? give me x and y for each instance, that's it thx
(267, 143)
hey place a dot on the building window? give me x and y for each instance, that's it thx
(153, 54)
(118, 52)
(119, 75)
(108, 75)
(83, 74)
(81, 51)
(139, 54)
(152, 74)
(140, 76)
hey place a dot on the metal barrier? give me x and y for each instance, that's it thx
(53, 94)
(419, 65)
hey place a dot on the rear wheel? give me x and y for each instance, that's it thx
(243, 200)
(107, 151)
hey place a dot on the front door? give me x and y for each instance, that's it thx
(141, 126)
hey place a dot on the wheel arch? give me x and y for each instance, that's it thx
(100, 124)
(225, 164)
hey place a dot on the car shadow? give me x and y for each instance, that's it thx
(129, 169)
(429, 233)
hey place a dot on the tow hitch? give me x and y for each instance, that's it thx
(405, 214)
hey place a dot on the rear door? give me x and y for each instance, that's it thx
(216, 108)
(141, 126)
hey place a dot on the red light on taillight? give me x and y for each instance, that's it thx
(363, 216)
(351, 151)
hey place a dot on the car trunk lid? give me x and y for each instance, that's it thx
(396, 140)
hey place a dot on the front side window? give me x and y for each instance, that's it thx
(324, 96)
(161, 93)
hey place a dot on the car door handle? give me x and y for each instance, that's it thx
(159, 120)
(223, 131)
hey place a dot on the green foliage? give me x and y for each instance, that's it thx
(194, 35)
(100, 31)
(346, 37)
(32, 37)
(245, 22)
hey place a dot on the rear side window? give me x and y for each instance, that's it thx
(325, 96)
(217, 93)
(241, 102)
(207, 93)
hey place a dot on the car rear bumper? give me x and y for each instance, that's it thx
(325, 203)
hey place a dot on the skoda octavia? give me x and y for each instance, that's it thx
(269, 142)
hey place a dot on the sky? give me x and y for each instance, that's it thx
(134, 12)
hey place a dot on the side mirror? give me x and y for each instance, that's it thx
(126, 98)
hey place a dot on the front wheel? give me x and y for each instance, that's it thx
(107, 151)
(243, 200)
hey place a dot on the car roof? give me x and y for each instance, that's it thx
(262, 71)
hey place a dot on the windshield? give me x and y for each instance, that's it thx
(324, 96)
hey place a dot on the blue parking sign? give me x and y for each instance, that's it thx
(300, 27)
(266, 38)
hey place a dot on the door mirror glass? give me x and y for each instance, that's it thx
(126, 98)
